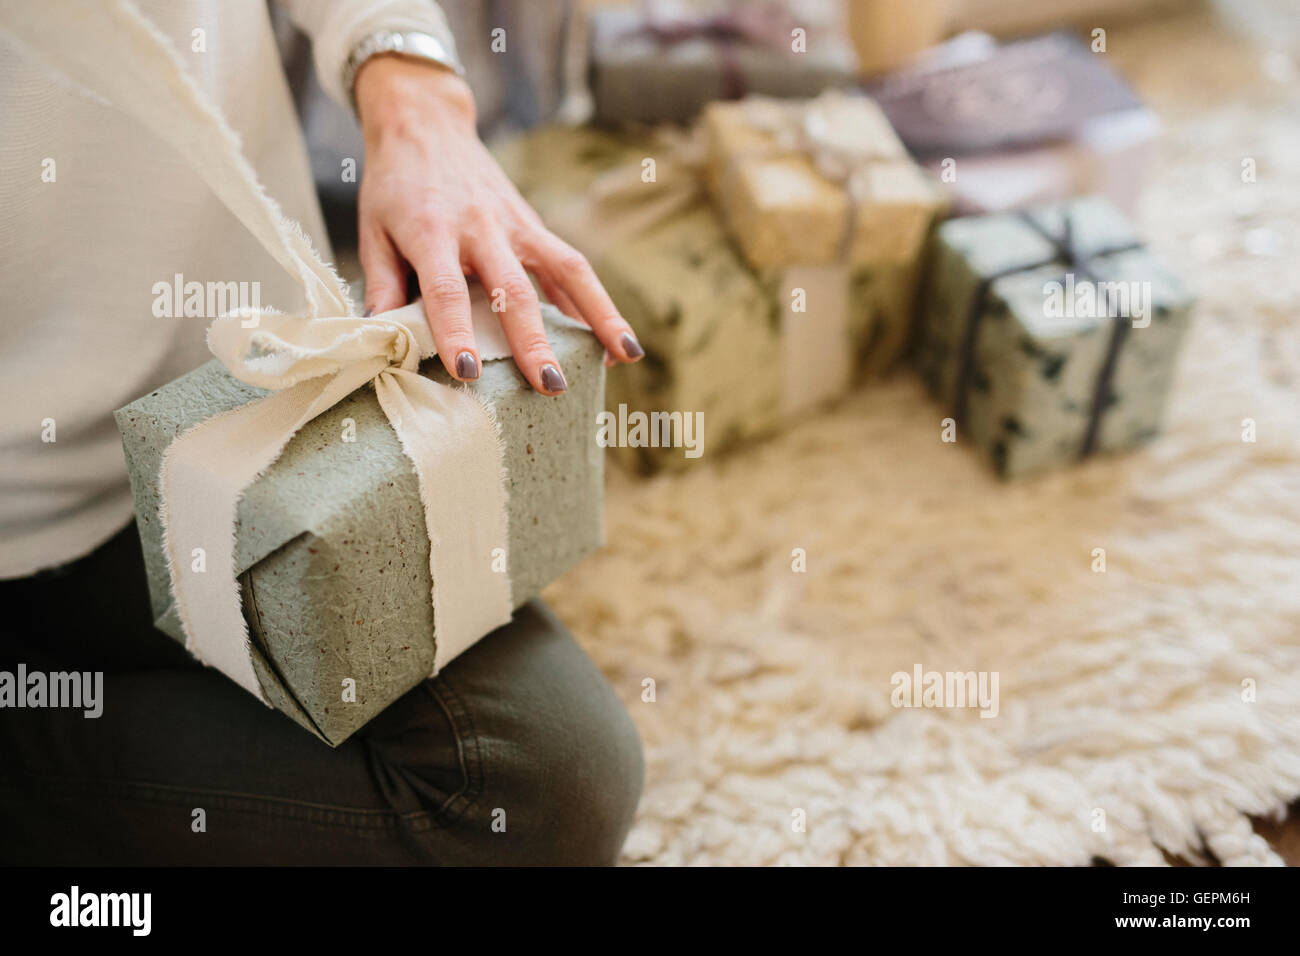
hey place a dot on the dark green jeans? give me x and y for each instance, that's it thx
(519, 752)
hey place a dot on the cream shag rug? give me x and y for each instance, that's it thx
(1121, 693)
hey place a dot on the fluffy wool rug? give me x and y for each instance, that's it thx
(1147, 708)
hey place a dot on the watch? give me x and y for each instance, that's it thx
(417, 46)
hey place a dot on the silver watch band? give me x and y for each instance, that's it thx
(419, 46)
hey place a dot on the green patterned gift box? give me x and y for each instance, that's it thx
(750, 349)
(1051, 334)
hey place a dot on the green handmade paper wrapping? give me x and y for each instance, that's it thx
(331, 542)
(720, 337)
(1033, 375)
(710, 329)
(636, 77)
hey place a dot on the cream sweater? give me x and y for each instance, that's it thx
(97, 217)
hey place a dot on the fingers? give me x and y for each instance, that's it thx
(446, 306)
(558, 265)
(440, 259)
(559, 298)
(384, 270)
(513, 297)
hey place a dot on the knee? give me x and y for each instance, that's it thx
(522, 754)
(562, 785)
(588, 772)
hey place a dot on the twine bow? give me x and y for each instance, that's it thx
(838, 150)
(824, 132)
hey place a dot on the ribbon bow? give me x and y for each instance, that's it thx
(828, 130)
(762, 23)
(309, 361)
(817, 128)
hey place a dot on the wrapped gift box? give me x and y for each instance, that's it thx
(768, 168)
(724, 340)
(665, 65)
(1035, 370)
(750, 349)
(711, 331)
(332, 546)
(1020, 124)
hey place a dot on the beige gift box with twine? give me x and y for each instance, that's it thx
(818, 182)
(826, 184)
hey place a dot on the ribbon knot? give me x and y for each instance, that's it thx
(763, 23)
(827, 129)
(274, 350)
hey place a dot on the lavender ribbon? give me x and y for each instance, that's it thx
(764, 24)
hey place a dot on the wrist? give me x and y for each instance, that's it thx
(394, 92)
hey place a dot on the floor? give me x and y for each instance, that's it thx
(752, 719)
(768, 686)
(1283, 836)
(1261, 66)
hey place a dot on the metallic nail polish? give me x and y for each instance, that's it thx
(632, 347)
(552, 380)
(466, 366)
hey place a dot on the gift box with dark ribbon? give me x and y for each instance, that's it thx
(660, 61)
(1050, 334)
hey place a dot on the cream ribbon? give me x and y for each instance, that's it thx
(310, 361)
(817, 364)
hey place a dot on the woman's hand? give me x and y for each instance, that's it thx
(433, 200)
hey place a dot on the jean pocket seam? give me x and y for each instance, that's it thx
(468, 750)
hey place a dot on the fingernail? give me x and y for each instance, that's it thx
(466, 366)
(552, 380)
(369, 313)
(631, 346)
